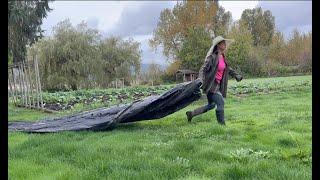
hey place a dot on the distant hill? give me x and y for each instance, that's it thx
(145, 67)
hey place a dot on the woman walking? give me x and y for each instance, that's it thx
(214, 76)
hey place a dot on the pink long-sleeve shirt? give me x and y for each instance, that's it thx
(221, 67)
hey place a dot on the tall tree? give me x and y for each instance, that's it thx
(277, 49)
(173, 25)
(221, 22)
(261, 25)
(24, 21)
(194, 48)
(298, 47)
(173, 68)
(69, 58)
(119, 57)
(238, 52)
(154, 73)
(76, 57)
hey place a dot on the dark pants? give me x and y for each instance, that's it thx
(215, 98)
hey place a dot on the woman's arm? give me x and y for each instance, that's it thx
(234, 74)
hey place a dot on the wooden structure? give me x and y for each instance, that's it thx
(24, 86)
(187, 75)
(118, 83)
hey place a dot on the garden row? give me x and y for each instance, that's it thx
(106, 97)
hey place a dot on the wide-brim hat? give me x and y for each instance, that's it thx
(216, 41)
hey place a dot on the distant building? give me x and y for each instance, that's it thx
(186, 74)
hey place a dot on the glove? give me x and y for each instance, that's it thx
(238, 78)
(201, 83)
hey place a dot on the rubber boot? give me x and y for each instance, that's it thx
(220, 117)
(200, 110)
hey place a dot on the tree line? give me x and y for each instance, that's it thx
(186, 31)
(75, 56)
(79, 57)
(24, 21)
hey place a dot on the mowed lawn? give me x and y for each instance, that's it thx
(268, 136)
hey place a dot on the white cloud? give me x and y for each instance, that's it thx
(107, 13)
(290, 15)
(140, 19)
(148, 55)
(237, 7)
(137, 19)
(93, 22)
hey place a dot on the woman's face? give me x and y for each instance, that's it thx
(222, 45)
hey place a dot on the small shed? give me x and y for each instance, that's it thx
(187, 75)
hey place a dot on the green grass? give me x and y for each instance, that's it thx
(24, 114)
(268, 136)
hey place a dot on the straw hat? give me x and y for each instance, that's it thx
(216, 41)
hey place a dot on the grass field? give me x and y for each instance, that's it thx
(268, 136)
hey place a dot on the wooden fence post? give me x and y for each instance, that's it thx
(39, 84)
(24, 84)
(14, 86)
(21, 86)
(31, 85)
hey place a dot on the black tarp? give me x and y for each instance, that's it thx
(150, 108)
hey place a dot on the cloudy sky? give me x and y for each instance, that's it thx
(138, 19)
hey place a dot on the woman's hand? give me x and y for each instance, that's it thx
(238, 78)
(201, 82)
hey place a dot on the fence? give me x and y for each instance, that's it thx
(24, 86)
